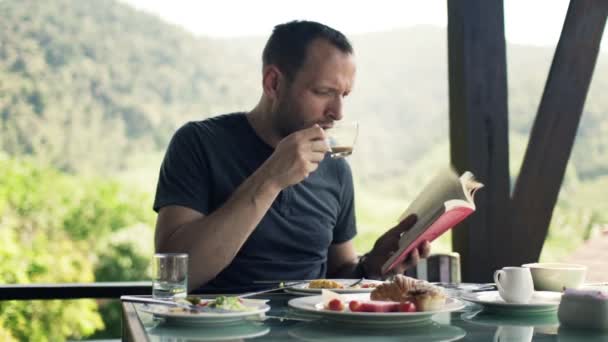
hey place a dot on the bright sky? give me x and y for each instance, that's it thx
(534, 22)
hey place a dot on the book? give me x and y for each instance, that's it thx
(443, 203)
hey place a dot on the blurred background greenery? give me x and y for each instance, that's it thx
(92, 91)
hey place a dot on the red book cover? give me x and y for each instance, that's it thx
(444, 202)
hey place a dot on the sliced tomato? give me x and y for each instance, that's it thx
(335, 305)
(354, 306)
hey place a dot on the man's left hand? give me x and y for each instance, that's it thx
(388, 244)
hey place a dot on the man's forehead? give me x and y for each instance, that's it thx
(321, 49)
(324, 60)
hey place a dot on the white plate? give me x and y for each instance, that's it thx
(542, 301)
(303, 288)
(313, 305)
(195, 318)
(327, 330)
(485, 318)
(240, 330)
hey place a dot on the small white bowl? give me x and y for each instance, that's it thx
(557, 276)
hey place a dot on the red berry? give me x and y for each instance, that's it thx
(407, 306)
(354, 306)
(335, 305)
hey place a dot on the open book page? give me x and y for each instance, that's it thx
(445, 186)
(443, 203)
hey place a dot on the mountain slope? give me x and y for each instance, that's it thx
(82, 83)
(90, 85)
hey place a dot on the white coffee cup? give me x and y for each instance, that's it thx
(514, 334)
(514, 284)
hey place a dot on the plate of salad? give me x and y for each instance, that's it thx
(222, 309)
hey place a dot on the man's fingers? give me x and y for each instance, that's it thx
(314, 132)
(317, 157)
(425, 249)
(414, 257)
(404, 225)
(399, 269)
(409, 221)
(311, 167)
(319, 146)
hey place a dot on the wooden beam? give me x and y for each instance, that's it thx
(555, 127)
(479, 127)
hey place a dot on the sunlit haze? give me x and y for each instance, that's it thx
(534, 22)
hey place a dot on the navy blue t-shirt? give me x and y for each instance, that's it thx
(207, 160)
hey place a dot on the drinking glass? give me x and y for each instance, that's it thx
(170, 275)
(341, 138)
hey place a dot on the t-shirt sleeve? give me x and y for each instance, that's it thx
(346, 227)
(184, 173)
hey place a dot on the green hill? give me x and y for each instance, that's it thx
(89, 86)
(85, 84)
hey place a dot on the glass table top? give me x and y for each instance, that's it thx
(283, 323)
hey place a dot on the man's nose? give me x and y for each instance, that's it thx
(335, 110)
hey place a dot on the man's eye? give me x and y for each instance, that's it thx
(322, 92)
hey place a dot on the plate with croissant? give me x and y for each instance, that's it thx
(314, 287)
(403, 300)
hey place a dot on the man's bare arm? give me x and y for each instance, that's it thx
(212, 241)
(342, 261)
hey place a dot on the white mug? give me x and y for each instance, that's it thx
(514, 284)
(514, 334)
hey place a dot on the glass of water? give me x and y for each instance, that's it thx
(170, 275)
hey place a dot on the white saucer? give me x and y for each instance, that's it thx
(541, 302)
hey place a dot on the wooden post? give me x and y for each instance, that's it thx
(555, 127)
(479, 127)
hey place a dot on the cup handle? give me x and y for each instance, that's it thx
(497, 275)
(498, 334)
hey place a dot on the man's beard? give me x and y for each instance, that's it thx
(286, 118)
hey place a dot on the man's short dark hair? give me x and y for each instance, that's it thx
(286, 47)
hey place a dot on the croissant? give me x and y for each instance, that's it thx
(396, 290)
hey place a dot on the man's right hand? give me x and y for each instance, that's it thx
(296, 156)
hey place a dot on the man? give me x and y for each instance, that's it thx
(254, 196)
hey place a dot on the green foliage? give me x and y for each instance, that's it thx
(124, 255)
(5, 334)
(112, 242)
(104, 208)
(37, 258)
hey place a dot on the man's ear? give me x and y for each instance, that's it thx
(272, 79)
